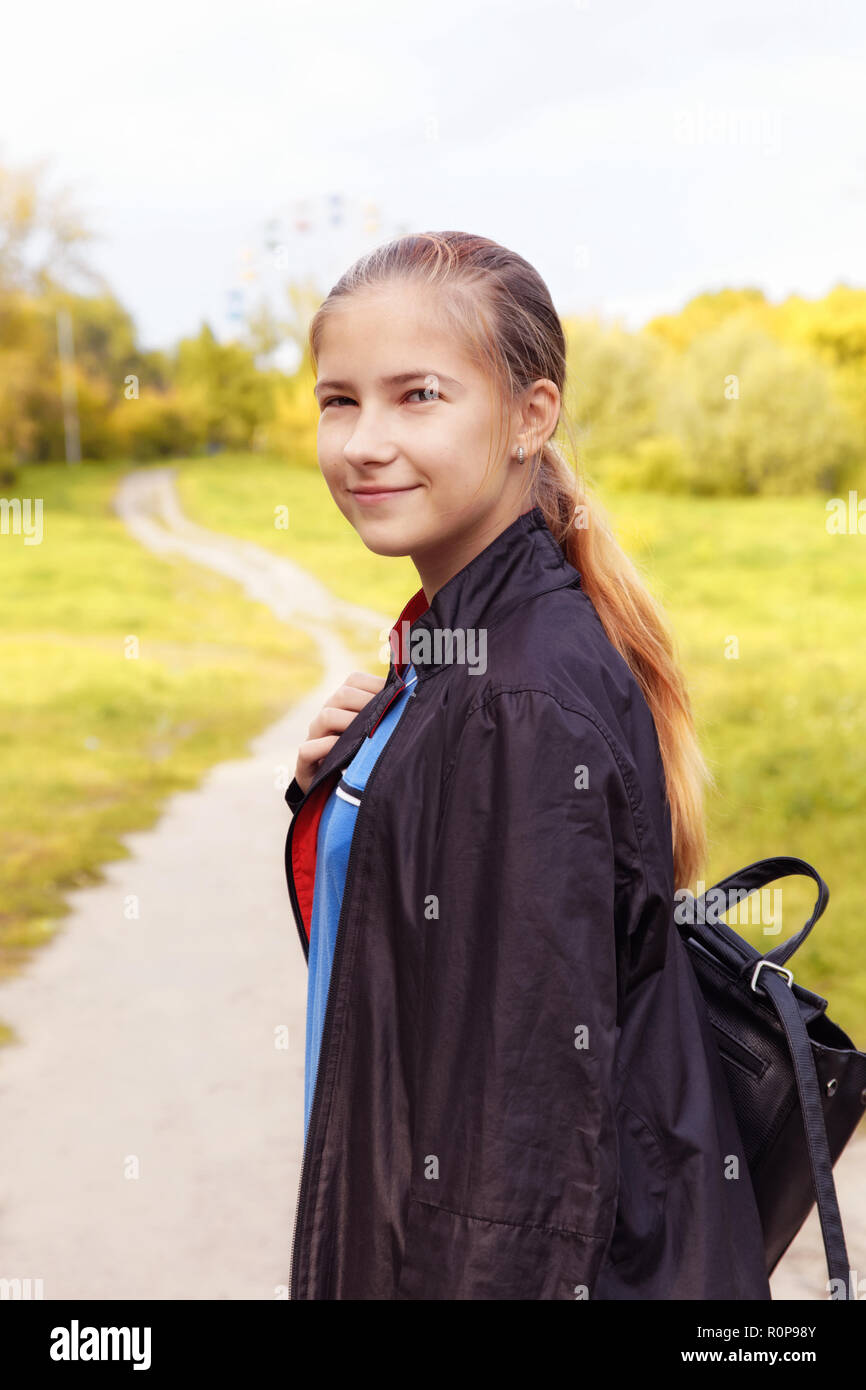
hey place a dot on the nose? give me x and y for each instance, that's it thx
(368, 442)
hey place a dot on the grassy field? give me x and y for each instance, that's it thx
(783, 723)
(93, 739)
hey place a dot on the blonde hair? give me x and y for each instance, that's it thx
(499, 305)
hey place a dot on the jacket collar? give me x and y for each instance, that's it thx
(522, 561)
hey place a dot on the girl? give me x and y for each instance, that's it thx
(513, 1089)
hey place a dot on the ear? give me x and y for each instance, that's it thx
(538, 414)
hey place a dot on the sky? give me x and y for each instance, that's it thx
(636, 153)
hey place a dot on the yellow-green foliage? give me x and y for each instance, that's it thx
(291, 430)
(733, 395)
(755, 415)
(140, 405)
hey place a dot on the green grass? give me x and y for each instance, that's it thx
(783, 725)
(92, 741)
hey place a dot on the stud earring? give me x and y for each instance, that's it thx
(521, 453)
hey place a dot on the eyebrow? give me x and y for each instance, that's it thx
(400, 379)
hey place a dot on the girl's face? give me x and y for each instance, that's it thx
(405, 426)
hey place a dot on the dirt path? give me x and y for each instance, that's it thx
(152, 1041)
(148, 1044)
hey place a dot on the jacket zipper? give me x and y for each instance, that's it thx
(329, 1003)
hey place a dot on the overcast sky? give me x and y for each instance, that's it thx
(636, 153)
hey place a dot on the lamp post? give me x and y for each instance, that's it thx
(66, 353)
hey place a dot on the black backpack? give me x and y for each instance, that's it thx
(797, 1082)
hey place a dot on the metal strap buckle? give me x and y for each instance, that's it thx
(771, 964)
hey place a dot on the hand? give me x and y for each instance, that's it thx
(332, 720)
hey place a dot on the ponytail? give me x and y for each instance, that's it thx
(636, 626)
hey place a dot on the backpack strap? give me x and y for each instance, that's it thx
(775, 982)
(785, 1004)
(758, 875)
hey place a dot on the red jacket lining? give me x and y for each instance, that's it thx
(306, 833)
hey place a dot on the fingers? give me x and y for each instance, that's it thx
(361, 682)
(356, 691)
(332, 720)
(310, 754)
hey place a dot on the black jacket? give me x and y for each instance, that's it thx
(519, 1094)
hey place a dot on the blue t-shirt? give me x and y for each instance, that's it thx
(333, 843)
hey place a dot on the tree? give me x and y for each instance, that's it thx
(225, 389)
(705, 312)
(756, 415)
(612, 385)
(42, 232)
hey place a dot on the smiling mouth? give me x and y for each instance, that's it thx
(377, 494)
